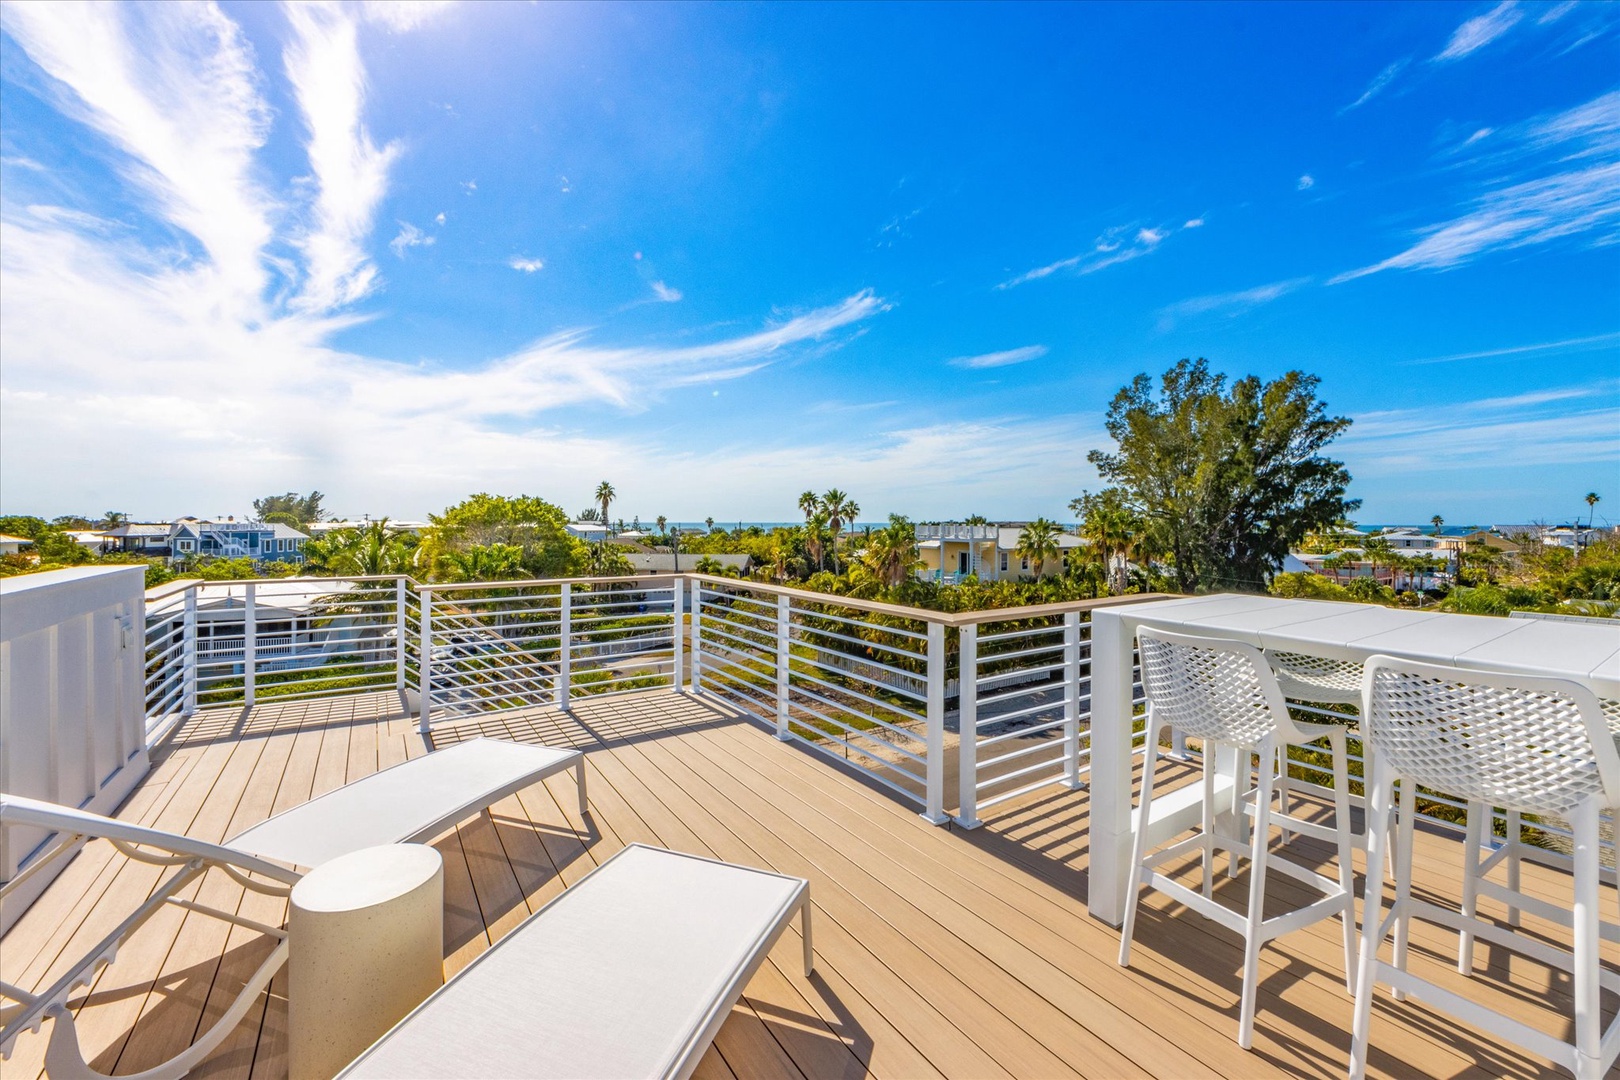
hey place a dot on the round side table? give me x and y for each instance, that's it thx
(366, 946)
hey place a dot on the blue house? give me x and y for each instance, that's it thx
(232, 539)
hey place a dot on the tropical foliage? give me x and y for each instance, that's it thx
(290, 509)
(1227, 477)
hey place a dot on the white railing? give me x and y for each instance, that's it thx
(486, 646)
(225, 643)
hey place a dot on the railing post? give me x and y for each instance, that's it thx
(400, 631)
(677, 590)
(250, 646)
(1071, 699)
(1112, 721)
(784, 615)
(697, 636)
(565, 644)
(934, 811)
(188, 654)
(424, 665)
(967, 727)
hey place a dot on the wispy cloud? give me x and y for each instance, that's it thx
(1572, 344)
(1231, 303)
(351, 172)
(1480, 31)
(409, 236)
(1556, 12)
(185, 108)
(1554, 426)
(525, 264)
(665, 293)
(1379, 82)
(401, 16)
(1000, 359)
(1116, 245)
(1305, 183)
(1581, 197)
(1194, 223)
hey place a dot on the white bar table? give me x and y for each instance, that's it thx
(1586, 653)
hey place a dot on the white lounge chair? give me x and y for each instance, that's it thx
(629, 973)
(413, 800)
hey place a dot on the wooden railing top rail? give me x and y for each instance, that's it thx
(806, 596)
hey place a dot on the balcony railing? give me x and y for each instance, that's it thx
(880, 687)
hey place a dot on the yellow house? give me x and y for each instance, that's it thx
(951, 552)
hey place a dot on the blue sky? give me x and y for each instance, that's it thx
(721, 254)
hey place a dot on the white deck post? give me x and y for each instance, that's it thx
(565, 643)
(934, 811)
(784, 615)
(677, 589)
(424, 666)
(188, 653)
(697, 636)
(1111, 713)
(1071, 700)
(967, 728)
(400, 632)
(250, 646)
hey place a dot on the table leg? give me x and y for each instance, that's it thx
(1111, 713)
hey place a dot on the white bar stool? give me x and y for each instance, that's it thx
(1223, 693)
(1526, 744)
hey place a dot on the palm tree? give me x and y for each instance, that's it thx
(484, 562)
(1114, 533)
(838, 508)
(604, 561)
(114, 518)
(1437, 521)
(1592, 499)
(605, 496)
(814, 538)
(891, 552)
(709, 523)
(662, 523)
(808, 504)
(1039, 542)
(975, 519)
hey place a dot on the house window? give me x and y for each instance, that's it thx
(185, 545)
(1023, 564)
(1003, 562)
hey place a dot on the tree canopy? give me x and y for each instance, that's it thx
(535, 527)
(1226, 477)
(290, 509)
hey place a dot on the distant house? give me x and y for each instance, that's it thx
(401, 525)
(134, 538)
(663, 562)
(11, 545)
(231, 539)
(951, 552)
(587, 530)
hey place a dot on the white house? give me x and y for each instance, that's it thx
(232, 539)
(11, 545)
(951, 551)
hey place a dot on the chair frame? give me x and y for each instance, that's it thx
(1253, 927)
(1595, 1048)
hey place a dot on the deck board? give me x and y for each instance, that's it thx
(938, 952)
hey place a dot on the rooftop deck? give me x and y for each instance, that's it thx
(939, 951)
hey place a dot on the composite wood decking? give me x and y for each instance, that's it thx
(939, 952)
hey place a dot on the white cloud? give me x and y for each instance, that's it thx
(1194, 223)
(1000, 359)
(401, 16)
(351, 173)
(439, 218)
(665, 294)
(1376, 87)
(1556, 12)
(409, 236)
(183, 104)
(1115, 245)
(1573, 344)
(526, 265)
(1556, 426)
(469, 186)
(1481, 30)
(1305, 183)
(100, 351)
(1231, 303)
(1582, 197)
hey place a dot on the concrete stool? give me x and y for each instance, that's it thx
(366, 938)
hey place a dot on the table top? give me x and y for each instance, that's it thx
(1587, 653)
